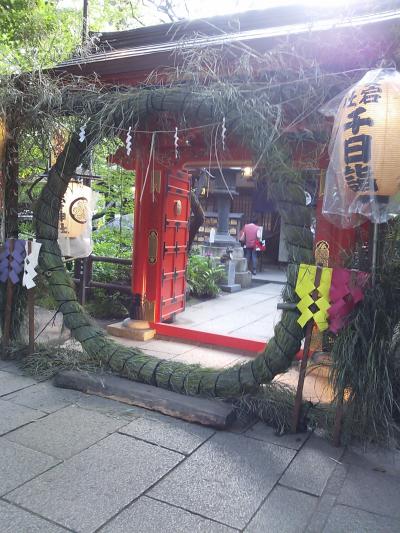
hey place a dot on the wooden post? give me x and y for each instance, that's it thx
(304, 360)
(31, 313)
(8, 307)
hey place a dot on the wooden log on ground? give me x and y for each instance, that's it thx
(203, 411)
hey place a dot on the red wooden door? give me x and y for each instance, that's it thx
(174, 246)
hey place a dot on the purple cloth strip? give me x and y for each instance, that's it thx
(11, 265)
(347, 289)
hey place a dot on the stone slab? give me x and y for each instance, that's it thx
(13, 416)
(86, 491)
(208, 412)
(374, 458)
(66, 432)
(10, 382)
(173, 434)
(208, 357)
(284, 511)
(152, 516)
(13, 519)
(349, 520)
(226, 479)
(312, 466)
(19, 464)
(44, 396)
(261, 431)
(11, 366)
(375, 492)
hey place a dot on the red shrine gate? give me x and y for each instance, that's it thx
(161, 230)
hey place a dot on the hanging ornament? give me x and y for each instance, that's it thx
(176, 143)
(30, 264)
(347, 290)
(82, 132)
(12, 260)
(128, 142)
(223, 133)
(311, 305)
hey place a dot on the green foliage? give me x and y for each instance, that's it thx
(37, 33)
(203, 277)
(111, 242)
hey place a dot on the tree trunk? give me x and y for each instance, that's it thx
(196, 220)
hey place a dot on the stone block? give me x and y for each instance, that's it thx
(19, 464)
(312, 466)
(13, 416)
(241, 264)
(66, 432)
(86, 491)
(261, 431)
(244, 279)
(175, 435)
(343, 518)
(119, 330)
(152, 516)
(237, 253)
(375, 492)
(44, 396)
(13, 519)
(10, 382)
(285, 510)
(226, 479)
(235, 287)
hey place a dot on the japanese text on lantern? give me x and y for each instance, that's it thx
(357, 147)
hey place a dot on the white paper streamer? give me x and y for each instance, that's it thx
(82, 133)
(30, 264)
(128, 142)
(176, 139)
(223, 133)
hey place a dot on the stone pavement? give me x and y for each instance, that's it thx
(248, 314)
(72, 462)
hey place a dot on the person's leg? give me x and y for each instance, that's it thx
(254, 260)
(247, 252)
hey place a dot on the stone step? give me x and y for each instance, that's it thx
(244, 279)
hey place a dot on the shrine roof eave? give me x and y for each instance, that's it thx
(136, 60)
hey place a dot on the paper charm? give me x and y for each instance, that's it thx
(11, 263)
(313, 306)
(82, 133)
(347, 289)
(128, 142)
(30, 264)
(223, 133)
(176, 143)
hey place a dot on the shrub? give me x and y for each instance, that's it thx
(203, 277)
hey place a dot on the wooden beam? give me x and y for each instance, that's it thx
(203, 411)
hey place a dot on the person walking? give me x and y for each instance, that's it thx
(249, 236)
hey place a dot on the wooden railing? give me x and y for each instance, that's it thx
(83, 275)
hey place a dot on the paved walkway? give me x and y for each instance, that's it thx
(72, 462)
(248, 314)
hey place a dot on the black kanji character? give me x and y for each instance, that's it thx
(357, 177)
(356, 121)
(350, 100)
(357, 149)
(371, 94)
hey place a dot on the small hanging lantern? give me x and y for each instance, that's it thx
(364, 171)
(75, 225)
